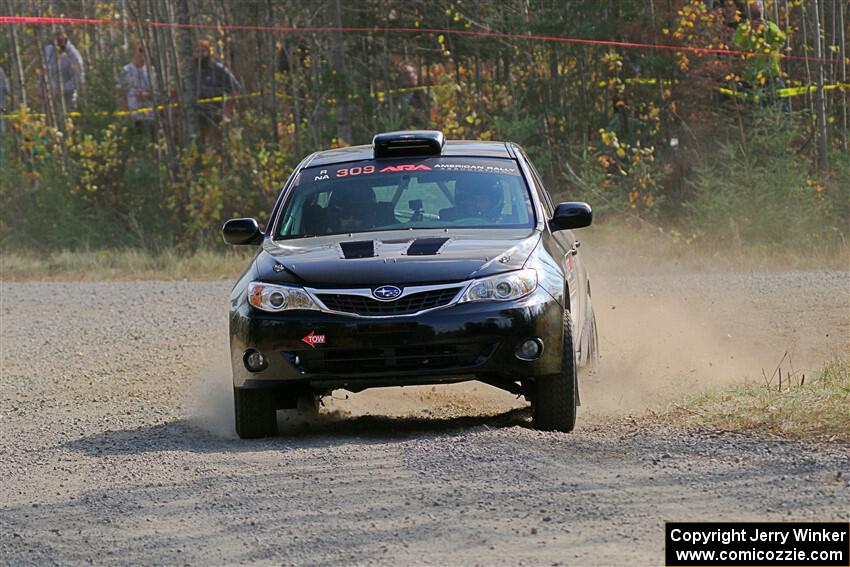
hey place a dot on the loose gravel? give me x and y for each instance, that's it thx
(117, 443)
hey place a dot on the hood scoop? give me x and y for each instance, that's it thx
(426, 246)
(358, 249)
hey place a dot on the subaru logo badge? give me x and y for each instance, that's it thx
(386, 292)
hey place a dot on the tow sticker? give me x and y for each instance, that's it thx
(313, 339)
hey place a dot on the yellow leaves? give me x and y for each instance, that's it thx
(473, 119)
(99, 160)
(817, 185)
(654, 113)
(609, 138)
(628, 168)
(613, 61)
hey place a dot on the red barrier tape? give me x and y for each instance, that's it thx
(469, 33)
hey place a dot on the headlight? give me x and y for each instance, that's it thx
(503, 287)
(270, 297)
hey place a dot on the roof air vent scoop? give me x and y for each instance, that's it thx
(408, 143)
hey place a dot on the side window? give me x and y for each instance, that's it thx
(547, 199)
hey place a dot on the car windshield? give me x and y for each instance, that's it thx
(407, 193)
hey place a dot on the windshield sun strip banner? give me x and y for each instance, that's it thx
(492, 166)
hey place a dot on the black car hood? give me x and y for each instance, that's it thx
(396, 257)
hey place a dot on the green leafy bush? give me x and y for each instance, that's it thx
(759, 192)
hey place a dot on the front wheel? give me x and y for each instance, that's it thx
(555, 396)
(256, 413)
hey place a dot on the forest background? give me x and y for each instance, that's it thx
(661, 136)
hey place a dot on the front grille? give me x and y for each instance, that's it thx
(368, 307)
(399, 359)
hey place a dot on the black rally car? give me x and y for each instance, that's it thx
(411, 261)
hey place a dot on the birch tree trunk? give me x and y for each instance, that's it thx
(820, 102)
(188, 94)
(18, 75)
(342, 90)
(272, 63)
(842, 27)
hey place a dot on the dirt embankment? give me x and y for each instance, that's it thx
(117, 436)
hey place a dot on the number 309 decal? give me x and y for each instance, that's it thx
(352, 171)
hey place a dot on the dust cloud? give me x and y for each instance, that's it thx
(672, 326)
(666, 331)
(209, 400)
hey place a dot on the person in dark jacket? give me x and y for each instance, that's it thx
(212, 80)
(414, 102)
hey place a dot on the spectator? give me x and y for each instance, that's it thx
(135, 86)
(212, 80)
(65, 69)
(415, 102)
(623, 123)
(765, 40)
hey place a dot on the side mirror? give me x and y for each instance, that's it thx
(242, 231)
(571, 215)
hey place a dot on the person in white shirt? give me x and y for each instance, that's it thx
(65, 69)
(136, 87)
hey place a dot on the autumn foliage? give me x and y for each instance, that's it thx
(644, 134)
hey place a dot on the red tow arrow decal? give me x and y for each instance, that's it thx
(313, 339)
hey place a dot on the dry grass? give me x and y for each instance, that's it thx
(614, 246)
(123, 265)
(644, 248)
(816, 407)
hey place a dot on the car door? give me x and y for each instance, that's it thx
(568, 247)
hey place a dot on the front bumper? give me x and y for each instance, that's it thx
(459, 342)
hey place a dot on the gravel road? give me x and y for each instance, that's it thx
(117, 443)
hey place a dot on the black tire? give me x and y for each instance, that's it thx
(256, 413)
(555, 396)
